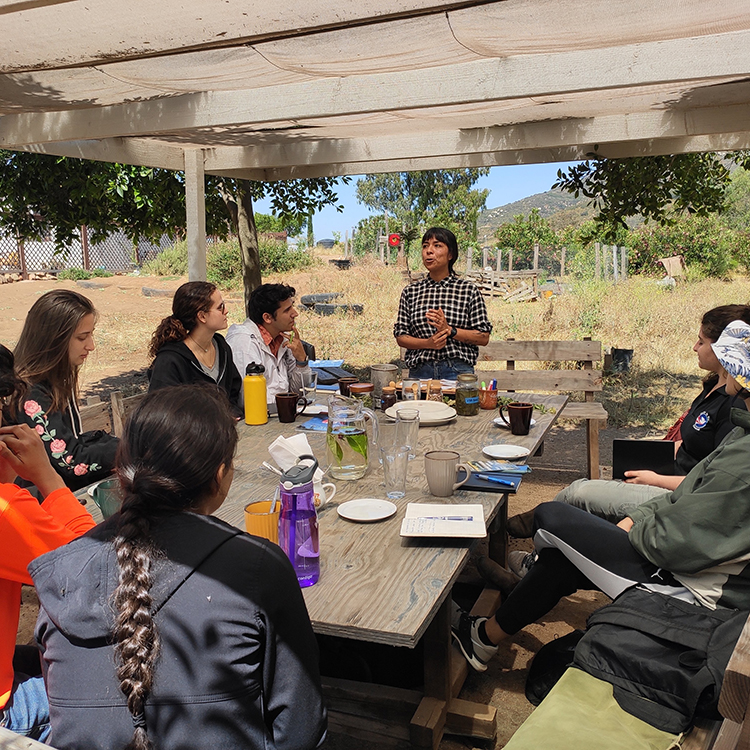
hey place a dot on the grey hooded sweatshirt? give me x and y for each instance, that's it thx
(238, 661)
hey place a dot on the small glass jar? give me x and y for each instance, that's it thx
(435, 391)
(363, 392)
(467, 395)
(388, 399)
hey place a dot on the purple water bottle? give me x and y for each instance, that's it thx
(298, 521)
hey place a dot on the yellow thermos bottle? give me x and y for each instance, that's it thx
(254, 389)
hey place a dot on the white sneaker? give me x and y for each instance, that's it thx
(520, 562)
(467, 637)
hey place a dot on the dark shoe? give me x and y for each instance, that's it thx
(496, 575)
(522, 525)
(467, 638)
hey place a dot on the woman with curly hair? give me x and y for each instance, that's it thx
(57, 338)
(166, 627)
(187, 346)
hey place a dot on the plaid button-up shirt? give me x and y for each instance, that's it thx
(463, 307)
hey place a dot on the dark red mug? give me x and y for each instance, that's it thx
(289, 405)
(520, 417)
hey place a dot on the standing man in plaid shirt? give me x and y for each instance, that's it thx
(442, 321)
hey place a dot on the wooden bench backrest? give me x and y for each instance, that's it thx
(121, 407)
(96, 416)
(511, 379)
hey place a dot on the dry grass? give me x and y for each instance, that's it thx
(660, 325)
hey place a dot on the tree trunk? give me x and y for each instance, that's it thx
(247, 234)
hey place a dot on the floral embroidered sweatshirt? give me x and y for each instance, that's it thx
(78, 457)
(27, 530)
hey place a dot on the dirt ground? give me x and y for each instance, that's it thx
(120, 364)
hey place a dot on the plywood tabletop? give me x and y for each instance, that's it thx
(374, 585)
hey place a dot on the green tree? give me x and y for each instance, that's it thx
(521, 234)
(40, 192)
(419, 199)
(659, 188)
(736, 212)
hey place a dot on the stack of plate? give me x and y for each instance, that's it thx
(431, 413)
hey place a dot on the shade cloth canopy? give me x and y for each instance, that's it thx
(276, 90)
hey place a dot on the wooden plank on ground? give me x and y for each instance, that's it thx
(471, 719)
(735, 692)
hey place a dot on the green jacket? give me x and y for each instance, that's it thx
(700, 532)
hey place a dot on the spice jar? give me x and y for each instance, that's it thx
(434, 391)
(388, 399)
(467, 395)
(362, 392)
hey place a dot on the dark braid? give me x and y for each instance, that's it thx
(174, 444)
(136, 638)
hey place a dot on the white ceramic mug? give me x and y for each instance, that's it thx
(440, 468)
(321, 496)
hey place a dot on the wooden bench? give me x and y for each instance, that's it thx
(108, 415)
(585, 380)
(121, 408)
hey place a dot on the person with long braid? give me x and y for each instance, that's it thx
(165, 627)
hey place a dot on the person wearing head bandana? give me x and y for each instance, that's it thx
(692, 543)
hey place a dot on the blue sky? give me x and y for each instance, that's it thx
(506, 184)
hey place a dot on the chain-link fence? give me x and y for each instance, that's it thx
(115, 253)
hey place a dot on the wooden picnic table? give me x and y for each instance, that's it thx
(378, 587)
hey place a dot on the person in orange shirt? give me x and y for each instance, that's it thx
(27, 530)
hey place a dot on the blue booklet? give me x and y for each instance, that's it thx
(315, 424)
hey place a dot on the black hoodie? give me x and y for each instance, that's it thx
(238, 661)
(175, 364)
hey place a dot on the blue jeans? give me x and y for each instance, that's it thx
(27, 711)
(441, 369)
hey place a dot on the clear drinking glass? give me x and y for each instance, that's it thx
(309, 386)
(407, 426)
(395, 465)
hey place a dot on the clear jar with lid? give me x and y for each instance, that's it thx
(467, 395)
(388, 398)
(362, 392)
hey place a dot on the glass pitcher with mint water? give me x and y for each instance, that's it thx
(346, 437)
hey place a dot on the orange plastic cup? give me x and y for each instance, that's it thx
(259, 521)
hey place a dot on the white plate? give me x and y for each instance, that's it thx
(499, 422)
(430, 412)
(366, 509)
(505, 451)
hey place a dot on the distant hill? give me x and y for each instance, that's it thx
(562, 209)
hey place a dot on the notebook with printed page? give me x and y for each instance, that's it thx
(444, 520)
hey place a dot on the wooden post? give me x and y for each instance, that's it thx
(510, 258)
(195, 209)
(498, 263)
(605, 262)
(536, 256)
(562, 263)
(85, 247)
(377, 245)
(615, 265)
(469, 258)
(623, 263)
(484, 258)
(22, 258)
(597, 262)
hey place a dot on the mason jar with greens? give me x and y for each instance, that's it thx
(362, 392)
(467, 395)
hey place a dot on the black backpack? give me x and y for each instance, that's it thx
(664, 657)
